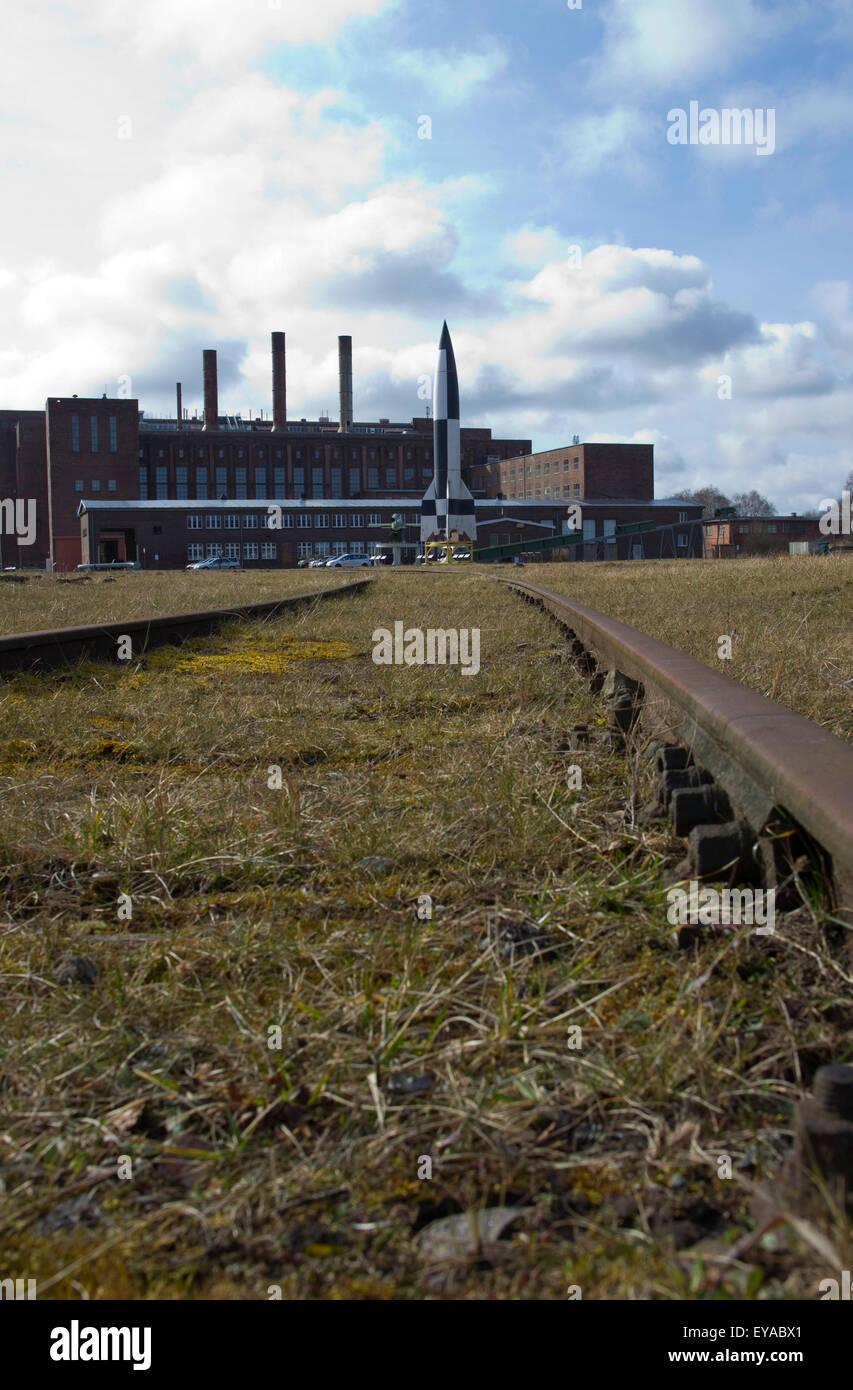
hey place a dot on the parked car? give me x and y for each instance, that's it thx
(216, 562)
(317, 564)
(348, 562)
(301, 564)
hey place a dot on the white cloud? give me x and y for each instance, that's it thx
(452, 77)
(655, 42)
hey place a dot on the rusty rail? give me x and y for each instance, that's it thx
(762, 776)
(63, 646)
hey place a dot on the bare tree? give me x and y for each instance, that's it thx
(710, 497)
(752, 504)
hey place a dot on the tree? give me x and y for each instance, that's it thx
(752, 504)
(710, 497)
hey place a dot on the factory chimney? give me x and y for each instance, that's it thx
(279, 384)
(180, 412)
(211, 390)
(345, 379)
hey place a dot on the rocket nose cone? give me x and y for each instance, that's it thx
(444, 341)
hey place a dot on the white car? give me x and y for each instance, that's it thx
(348, 562)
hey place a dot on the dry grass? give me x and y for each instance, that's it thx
(788, 617)
(401, 1038)
(55, 600)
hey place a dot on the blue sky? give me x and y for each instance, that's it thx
(191, 173)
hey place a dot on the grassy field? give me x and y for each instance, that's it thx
(789, 617)
(55, 600)
(165, 911)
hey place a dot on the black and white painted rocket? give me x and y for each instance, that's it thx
(447, 505)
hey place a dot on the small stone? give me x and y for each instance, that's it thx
(376, 864)
(74, 970)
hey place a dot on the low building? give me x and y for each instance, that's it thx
(727, 538)
(172, 533)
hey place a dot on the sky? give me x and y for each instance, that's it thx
(182, 174)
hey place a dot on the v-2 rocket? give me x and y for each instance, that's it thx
(447, 504)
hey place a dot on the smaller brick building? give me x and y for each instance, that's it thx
(573, 472)
(728, 537)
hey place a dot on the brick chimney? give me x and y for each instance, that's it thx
(211, 390)
(279, 384)
(345, 380)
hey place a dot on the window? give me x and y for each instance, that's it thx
(111, 485)
(354, 481)
(250, 521)
(239, 453)
(232, 550)
(339, 548)
(143, 483)
(75, 434)
(336, 477)
(260, 482)
(269, 550)
(744, 530)
(576, 490)
(278, 486)
(547, 492)
(93, 432)
(321, 519)
(303, 520)
(180, 453)
(303, 550)
(162, 475)
(321, 549)
(358, 548)
(193, 521)
(286, 520)
(222, 482)
(575, 463)
(390, 477)
(182, 486)
(231, 521)
(213, 549)
(78, 484)
(372, 453)
(95, 485)
(201, 483)
(772, 527)
(240, 489)
(220, 453)
(546, 467)
(682, 516)
(317, 482)
(374, 519)
(682, 540)
(373, 477)
(409, 475)
(565, 465)
(299, 479)
(195, 552)
(113, 434)
(355, 518)
(339, 519)
(609, 530)
(212, 521)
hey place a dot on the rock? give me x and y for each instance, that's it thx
(462, 1237)
(376, 864)
(74, 970)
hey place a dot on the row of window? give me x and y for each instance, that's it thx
(94, 485)
(570, 490)
(324, 550)
(220, 453)
(240, 487)
(305, 521)
(743, 528)
(112, 433)
(231, 551)
(540, 468)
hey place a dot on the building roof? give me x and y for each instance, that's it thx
(194, 504)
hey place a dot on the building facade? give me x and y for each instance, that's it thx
(729, 537)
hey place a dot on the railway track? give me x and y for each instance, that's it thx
(761, 794)
(63, 646)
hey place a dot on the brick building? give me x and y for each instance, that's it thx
(105, 448)
(169, 534)
(729, 537)
(572, 472)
